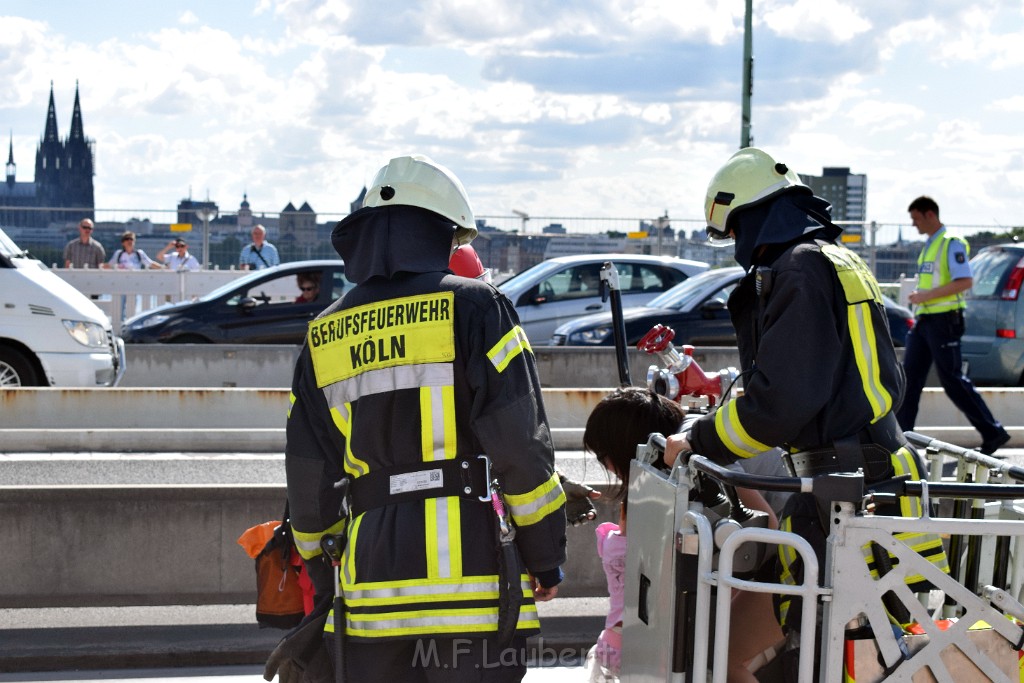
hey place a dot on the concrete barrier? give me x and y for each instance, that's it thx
(165, 545)
(252, 420)
(271, 365)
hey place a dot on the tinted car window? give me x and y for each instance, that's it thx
(990, 269)
(339, 286)
(641, 278)
(275, 291)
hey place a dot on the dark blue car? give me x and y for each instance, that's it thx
(696, 310)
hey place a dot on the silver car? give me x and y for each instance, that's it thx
(566, 287)
(993, 345)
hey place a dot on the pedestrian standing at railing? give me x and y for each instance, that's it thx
(130, 258)
(86, 251)
(260, 253)
(180, 258)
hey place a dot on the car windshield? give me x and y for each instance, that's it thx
(529, 276)
(678, 296)
(7, 246)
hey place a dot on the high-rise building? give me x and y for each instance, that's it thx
(63, 176)
(847, 192)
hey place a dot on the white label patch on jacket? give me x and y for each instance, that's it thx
(416, 481)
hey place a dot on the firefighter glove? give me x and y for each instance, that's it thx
(579, 507)
(302, 656)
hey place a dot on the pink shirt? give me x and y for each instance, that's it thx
(611, 547)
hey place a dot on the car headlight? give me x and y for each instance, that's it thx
(596, 335)
(148, 321)
(87, 334)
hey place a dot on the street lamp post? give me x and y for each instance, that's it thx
(206, 213)
(748, 76)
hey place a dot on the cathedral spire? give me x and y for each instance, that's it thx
(50, 134)
(77, 132)
(11, 167)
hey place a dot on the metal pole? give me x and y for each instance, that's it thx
(748, 75)
(206, 241)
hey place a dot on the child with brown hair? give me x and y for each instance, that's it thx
(620, 421)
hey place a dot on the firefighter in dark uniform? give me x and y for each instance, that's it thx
(821, 376)
(420, 389)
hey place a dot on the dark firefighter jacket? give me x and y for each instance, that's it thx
(816, 347)
(421, 367)
(814, 339)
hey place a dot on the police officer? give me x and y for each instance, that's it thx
(821, 377)
(944, 275)
(420, 388)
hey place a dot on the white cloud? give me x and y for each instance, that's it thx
(815, 20)
(580, 107)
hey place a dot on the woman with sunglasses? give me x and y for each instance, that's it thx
(309, 284)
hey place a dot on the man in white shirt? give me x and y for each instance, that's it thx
(180, 258)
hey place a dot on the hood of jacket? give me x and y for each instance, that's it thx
(385, 240)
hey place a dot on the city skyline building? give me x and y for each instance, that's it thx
(845, 191)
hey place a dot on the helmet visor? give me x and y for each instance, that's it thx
(718, 237)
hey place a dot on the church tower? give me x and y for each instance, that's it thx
(64, 169)
(76, 177)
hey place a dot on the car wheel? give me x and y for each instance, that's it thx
(16, 370)
(190, 339)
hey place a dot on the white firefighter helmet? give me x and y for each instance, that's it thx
(417, 180)
(749, 177)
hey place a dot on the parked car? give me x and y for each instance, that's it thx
(264, 307)
(696, 311)
(563, 288)
(50, 333)
(993, 345)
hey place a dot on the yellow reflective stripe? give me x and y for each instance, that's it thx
(426, 590)
(455, 537)
(442, 523)
(787, 556)
(388, 380)
(533, 506)
(424, 622)
(342, 417)
(308, 543)
(510, 346)
(291, 402)
(903, 463)
(348, 557)
(732, 434)
(865, 352)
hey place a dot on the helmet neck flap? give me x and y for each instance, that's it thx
(784, 219)
(386, 240)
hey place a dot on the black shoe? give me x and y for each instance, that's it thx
(989, 446)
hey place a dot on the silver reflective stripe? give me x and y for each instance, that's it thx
(535, 506)
(444, 555)
(424, 590)
(389, 379)
(306, 548)
(515, 342)
(436, 621)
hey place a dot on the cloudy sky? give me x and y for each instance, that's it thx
(620, 108)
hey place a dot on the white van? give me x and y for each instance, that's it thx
(50, 333)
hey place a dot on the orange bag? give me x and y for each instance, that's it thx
(279, 602)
